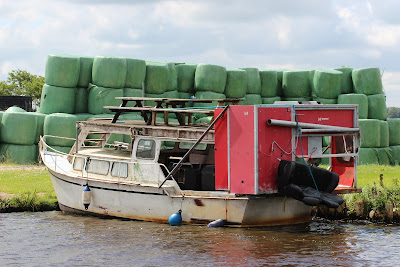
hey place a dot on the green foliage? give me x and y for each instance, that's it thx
(393, 112)
(29, 201)
(22, 83)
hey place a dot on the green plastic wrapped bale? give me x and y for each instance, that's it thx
(57, 99)
(184, 145)
(396, 154)
(132, 92)
(325, 101)
(157, 75)
(62, 70)
(385, 156)
(384, 132)
(152, 103)
(1, 117)
(109, 72)
(18, 128)
(136, 72)
(19, 154)
(100, 96)
(299, 99)
(62, 125)
(359, 99)
(370, 133)
(269, 83)
(296, 83)
(15, 109)
(367, 81)
(40, 122)
(81, 100)
(171, 94)
(172, 84)
(377, 107)
(206, 120)
(326, 140)
(63, 149)
(279, 75)
(210, 78)
(114, 138)
(311, 78)
(85, 73)
(368, 156)
(185, 73)
(185, 95)
(394, 131)
(236, 83)
(327, 84)
(253, 81)
(251, 99)
(207, 95)
(270, 100)
(325, 161)
(347, 81)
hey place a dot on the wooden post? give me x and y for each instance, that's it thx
(389, 212)
(359, 208)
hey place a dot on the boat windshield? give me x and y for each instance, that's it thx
(146, 149)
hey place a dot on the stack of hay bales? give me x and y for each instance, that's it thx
(136, 73)
(296, 85)
(253, 90)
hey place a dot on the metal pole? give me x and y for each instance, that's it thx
(179, 164)
(308, 125)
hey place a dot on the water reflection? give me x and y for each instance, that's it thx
(54, 238)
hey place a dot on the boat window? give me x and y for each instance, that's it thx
(146, 149)
(98, 166)
(119, 169)
(78, 164)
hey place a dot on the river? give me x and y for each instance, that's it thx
(59, 239)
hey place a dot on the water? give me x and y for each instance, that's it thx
(55, 239)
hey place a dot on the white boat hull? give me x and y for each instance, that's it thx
(153, 204)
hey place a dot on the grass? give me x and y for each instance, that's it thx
(29, 186)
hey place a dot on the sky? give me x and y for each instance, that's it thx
(267, 34)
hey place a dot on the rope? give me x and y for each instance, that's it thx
(302, 153)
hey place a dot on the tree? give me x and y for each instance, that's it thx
(393, 112)
(22, 83)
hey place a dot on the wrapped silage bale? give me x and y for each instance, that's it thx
(326, 140)
(157, 75)
(311, 78)
(109, 72)
(251, 99)
(299, 99)
(296, 83)
(62, 125)
(57, 99)
(19, 128)
(347, 81)
(396, 154)
(370, 132)
(185, 95)
(207, 95)
(62, 149)
(394, 131)
(62, 70)
(270, 100)
(279, 75)
(210, 78)
(385, 156)
(132, 92)
(185, 75)
(151, 103)
(253, 81)
(15, 109)
(325, 101)
(327, 84)
(269, 83)
(81, 100)
(236, 83)
(171, 94)
(368, 156)
(40, 122)
(360, 99)
(377, 107)
(325, 161)
(85, 73)
(172, 84)
(136, 73)
(100, 96)
(19, 154)
(367, 81)
(384, 132)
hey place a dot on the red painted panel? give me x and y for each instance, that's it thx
(267, 134)
(335, 117)
(221, 151)
(241, 131)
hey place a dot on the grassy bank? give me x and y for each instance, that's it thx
(25, 188)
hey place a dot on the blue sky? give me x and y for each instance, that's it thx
(285, 34)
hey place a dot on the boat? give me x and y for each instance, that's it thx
(240, 168)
